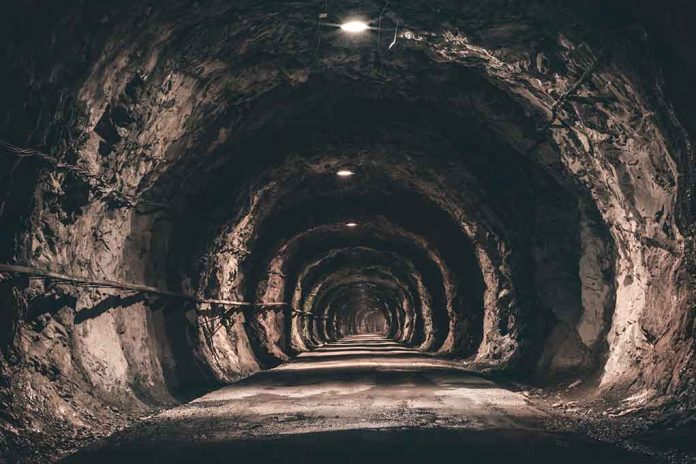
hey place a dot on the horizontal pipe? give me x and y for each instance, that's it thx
(308, 314)
(35, 272)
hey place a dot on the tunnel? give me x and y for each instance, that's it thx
(359, 231)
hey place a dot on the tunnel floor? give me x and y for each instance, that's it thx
(361, 399)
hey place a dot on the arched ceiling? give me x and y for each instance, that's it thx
(521, 190)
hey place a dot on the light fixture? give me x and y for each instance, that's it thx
(351, 224)
(354, 26)
(344, 173)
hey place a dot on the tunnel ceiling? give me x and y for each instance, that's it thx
(520, 192)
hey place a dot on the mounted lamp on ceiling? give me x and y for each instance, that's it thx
(351, 224)
(344, 173)
(355, 26)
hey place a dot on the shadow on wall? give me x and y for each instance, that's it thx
(110, 302)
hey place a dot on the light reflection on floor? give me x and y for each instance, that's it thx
(363, 398)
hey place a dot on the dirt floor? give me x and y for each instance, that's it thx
(363, 399)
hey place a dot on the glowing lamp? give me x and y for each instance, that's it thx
(351, 224)
(344, 173)
(354, 26)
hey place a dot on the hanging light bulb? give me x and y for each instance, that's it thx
(344, 173)
(354, 26)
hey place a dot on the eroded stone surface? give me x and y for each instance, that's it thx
(522, 171)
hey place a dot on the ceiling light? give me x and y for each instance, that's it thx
(344, 173)
(351, 224)
(354, 26)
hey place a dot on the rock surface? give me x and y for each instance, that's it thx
(522, 194)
